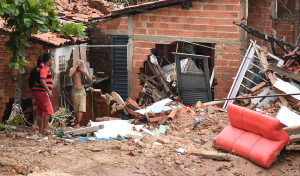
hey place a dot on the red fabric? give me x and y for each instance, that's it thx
(252, 135)
(46, 74)
(43, 103)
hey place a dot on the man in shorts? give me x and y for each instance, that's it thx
(42, 92)
(77, 73)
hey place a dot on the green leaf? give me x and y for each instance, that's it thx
(43, 28)
(12, 65)
(11, 8)
(27, 22)
(21, 52)
(26, 44)
(17, 65)
(1, 11)
(24, 62)
(81, 34)
(16, 12)
(21, 69)
(33, 3)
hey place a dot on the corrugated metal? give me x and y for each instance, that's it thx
(119, 81)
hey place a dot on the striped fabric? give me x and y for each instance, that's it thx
(44, 73)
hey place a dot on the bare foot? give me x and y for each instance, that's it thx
(34, 127)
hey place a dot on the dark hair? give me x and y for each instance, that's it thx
(40, 60)
(46, 57)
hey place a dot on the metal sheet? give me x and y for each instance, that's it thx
(193, 87)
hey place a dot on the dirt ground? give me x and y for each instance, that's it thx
(23, 154)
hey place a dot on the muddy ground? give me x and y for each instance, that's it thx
(23, 154)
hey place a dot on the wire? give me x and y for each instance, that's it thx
(224, 51)
(286, 7)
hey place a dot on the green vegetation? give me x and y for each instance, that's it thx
(25, 18)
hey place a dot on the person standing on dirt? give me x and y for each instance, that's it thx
(77, 73)
(33, 78)
(42, 92)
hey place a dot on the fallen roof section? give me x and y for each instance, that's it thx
(144, 7)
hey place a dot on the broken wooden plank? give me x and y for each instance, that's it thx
(105, 118)
(292, 147)
(149, 78)
(292, 130)
(214, 103)
(284, 72)
(258, 86)
(147, 82)
(263, 59)
(295, 138)
(84, 130)
(163, 81)
(206, 154)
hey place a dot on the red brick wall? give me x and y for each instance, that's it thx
(207, 19)
(7, 86)
(260, 19)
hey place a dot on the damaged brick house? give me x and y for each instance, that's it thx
(159, 27)
(61, 48)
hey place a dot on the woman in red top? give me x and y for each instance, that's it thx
(42, 92)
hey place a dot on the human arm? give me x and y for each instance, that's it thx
(85, 71)
(43, 82)
(72, 71)
(43, 75)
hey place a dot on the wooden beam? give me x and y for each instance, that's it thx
(263, 59)
(258, 86)
(295, 138)
(84, 130)
(292, 130)
(292, 147)
(284, 72)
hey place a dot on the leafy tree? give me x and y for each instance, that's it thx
(25, 18)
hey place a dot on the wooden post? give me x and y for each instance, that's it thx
(263, 59)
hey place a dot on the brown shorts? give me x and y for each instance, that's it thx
(79, 100)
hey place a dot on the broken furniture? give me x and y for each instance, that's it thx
(252, 135)
(193, 80)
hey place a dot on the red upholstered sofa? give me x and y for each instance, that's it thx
(252, 135)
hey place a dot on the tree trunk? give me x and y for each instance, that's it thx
(18, 90)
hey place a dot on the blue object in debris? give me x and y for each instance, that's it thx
(160, 108)
(98, 139)
(161, 129)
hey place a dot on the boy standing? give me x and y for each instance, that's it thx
(78, 92)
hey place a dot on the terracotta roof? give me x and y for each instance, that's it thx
(77, 11)
(85, 11)
(145, 6)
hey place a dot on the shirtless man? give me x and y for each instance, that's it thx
(78, 91)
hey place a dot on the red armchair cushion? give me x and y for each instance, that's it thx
(252, 135)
